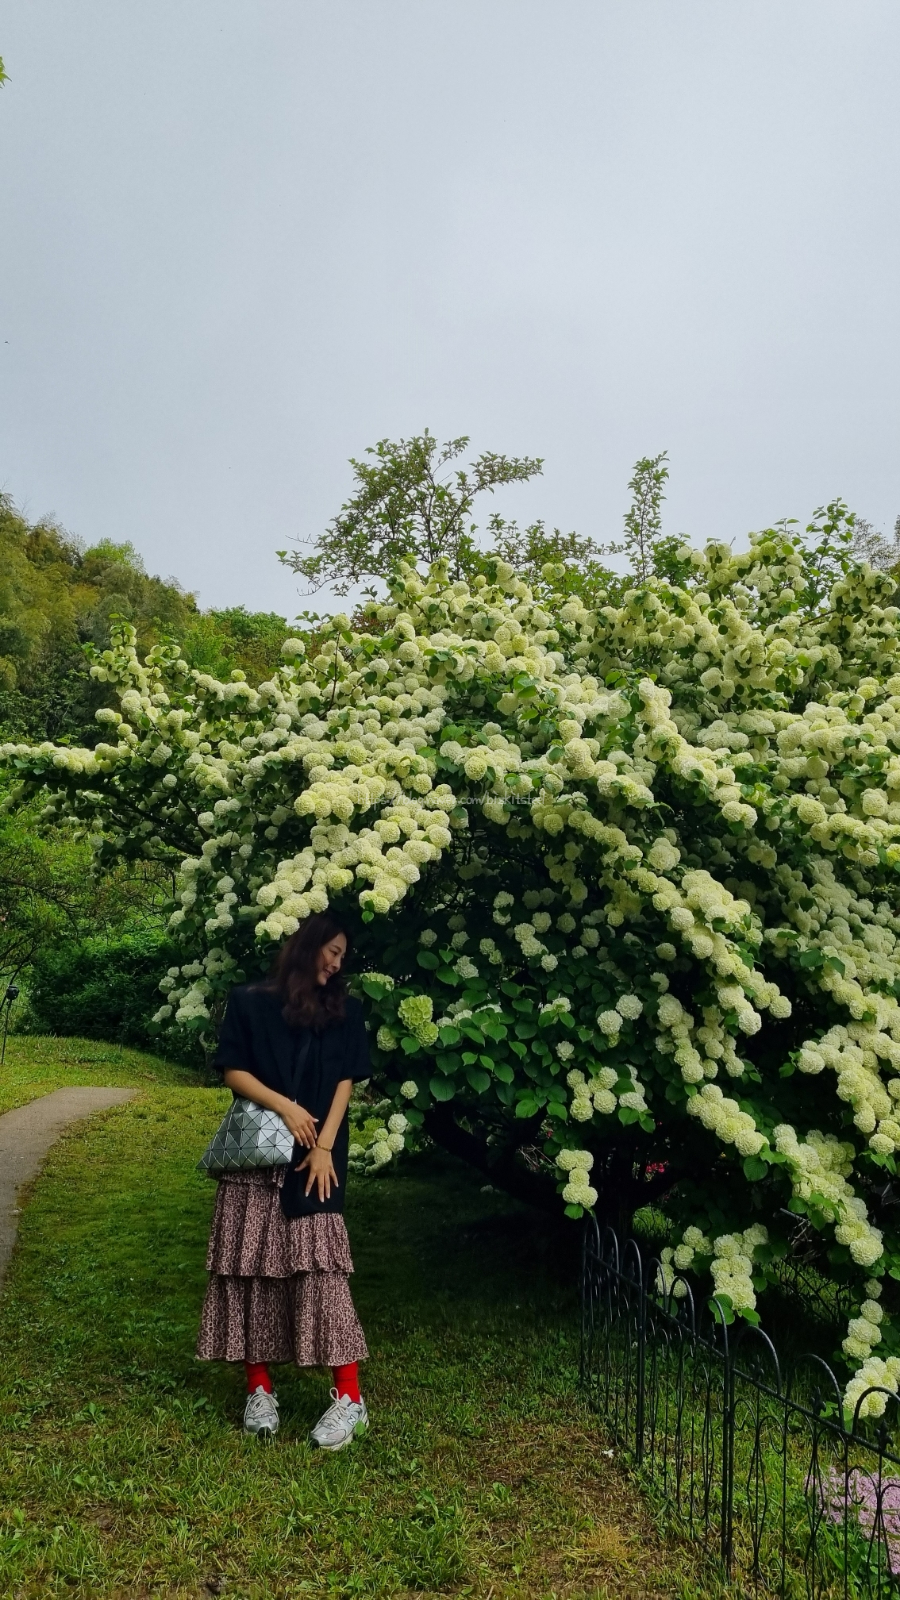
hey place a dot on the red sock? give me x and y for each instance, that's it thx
(346, 1381)
(257, 1377)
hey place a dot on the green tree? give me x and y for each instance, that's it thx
(407, 509)
(643, 519)
(51, 894)
(221, 642)
(56, 596)
(870, 545)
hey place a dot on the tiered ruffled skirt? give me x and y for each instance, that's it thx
(279, 1288)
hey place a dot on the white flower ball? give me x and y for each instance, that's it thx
(609, 1022)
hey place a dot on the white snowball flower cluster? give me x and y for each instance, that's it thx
(377, 1144)
(862, 1390)
(600, 1092)
(864, 1330)
(854, 1052)
(732, 1266)
(820, 1167)
(416, 1012)
(698, 1050)
(578, 1191)
(675, 1259)
(727, 1121)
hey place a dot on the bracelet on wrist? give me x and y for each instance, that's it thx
(326, 1147)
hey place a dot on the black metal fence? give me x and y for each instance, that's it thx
(754, 1460)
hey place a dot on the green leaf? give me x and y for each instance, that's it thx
(448, 1035)
(527, 1107)
(575, 1212)
(478, 1079)
(754, 1169)
(409, 1044)
(812, 958)
(427, 958)
(493, 1029)
(442, 1088)
(556, 1109)
(519, 1048)
(504, 1072)
(472, 1031)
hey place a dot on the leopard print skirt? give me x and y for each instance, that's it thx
(279, 1286)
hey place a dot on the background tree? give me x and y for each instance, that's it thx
(870, 545)
(50, 893)
(406, 509)
(220, 642)
(59, 596)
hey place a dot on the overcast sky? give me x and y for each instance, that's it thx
(243, 239)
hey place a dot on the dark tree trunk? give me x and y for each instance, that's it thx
(499, 1166)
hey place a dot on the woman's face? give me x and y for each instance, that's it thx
(330, 958)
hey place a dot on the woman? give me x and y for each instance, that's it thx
(278, 1255)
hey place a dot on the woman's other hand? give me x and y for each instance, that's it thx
(301, 1123)
(321, 1172)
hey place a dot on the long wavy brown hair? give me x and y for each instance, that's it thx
(307, 1003)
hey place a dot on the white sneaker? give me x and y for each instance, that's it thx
(261, 1414)
(343, 1421)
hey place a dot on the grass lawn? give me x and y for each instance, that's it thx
(123, 1472)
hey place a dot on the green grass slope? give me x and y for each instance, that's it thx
(37, 1064)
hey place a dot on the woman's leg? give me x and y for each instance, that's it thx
(346, 1381)
(257, 1377)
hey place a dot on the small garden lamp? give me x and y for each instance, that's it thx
(11, 994)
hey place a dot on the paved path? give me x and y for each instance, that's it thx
(26, 1135)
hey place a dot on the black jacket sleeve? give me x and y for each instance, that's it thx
(358, 1060)
(235, 1046)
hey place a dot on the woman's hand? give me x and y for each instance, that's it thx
(321, 1171)
(301, 1123)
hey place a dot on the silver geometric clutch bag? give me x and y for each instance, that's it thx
(249, 1136)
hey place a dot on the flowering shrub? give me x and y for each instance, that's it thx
(628, 876)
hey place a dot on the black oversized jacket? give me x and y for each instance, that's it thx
(303, 1065)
